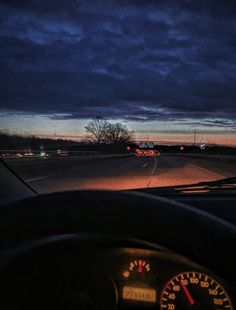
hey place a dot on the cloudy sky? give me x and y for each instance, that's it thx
(165, 68)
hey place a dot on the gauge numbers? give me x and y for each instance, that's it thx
(194, 290)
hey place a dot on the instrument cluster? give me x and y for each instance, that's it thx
(162, 280)
(70, 277)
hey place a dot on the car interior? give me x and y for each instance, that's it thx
(108, 250)
(117, 155)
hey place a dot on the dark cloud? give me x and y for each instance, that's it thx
(136, 60)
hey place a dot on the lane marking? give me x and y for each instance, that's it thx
(58, 173)
(152, 172)
(144, 165)
(35, 179)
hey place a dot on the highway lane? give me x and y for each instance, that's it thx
(126, 173)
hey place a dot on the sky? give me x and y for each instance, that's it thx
(163, 68)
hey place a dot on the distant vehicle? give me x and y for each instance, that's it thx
(28, 154)
(62, 152)
(43, 155)
(146, 152)
(146, 149)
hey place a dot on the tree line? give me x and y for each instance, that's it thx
(103, 132)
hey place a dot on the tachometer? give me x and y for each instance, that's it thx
(194, 290)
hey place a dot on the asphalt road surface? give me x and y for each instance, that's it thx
(121, 173)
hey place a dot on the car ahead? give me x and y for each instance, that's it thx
(146, 152)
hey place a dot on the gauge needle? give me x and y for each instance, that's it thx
(186, 291)
(140, 266)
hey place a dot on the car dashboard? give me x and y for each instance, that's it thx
(65, 276)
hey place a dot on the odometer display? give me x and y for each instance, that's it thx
(194, 290)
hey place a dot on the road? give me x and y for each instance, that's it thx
(121, 173)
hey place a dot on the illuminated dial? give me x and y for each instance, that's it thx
(137, 266)
(194, 290)
(138, 285)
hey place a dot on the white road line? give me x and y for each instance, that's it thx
(144, 165)
(152, 173)
(35, 179)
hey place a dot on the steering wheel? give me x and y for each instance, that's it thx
(198, 235)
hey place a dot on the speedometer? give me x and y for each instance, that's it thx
(194, 290)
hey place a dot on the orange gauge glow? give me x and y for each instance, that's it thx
(194, 290)
(137, 266)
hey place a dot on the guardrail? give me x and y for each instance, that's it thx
(44, 154)
(63, 159)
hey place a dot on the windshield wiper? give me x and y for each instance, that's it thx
(222, 186)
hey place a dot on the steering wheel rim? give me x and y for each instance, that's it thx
(195, 234)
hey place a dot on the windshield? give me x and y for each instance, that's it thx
(118, 94)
